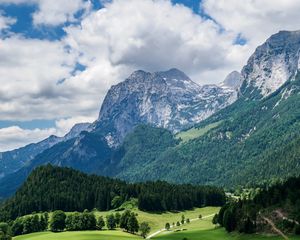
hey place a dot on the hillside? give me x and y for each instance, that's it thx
(255, 141)
(274, 209)
(50, 188)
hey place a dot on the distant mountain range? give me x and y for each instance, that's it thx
(164, 126)
(164, 99)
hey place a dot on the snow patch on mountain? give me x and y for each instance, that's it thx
(271, 65)
(167, 99)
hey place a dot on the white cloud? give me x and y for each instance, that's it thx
(63, 126)
(54, 12)
(155, 35)
(6, 22)
(14, 137)
(124, 36)
(58, 12)
(256, 20)
(29, 70)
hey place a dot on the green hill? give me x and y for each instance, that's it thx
(51, 188)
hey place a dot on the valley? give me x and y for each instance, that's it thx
(196, 229)
(164, 157)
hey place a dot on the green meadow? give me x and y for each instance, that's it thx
(197, 229)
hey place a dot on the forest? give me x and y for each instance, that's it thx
(50, 188)
(250, 215)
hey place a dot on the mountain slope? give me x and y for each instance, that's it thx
(168, 99)
(12, 161)
(252, 140)
(88, 152)
(251, 145)
(271, 65)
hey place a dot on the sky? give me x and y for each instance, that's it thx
(59, 58)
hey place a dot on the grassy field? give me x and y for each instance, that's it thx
(202, 229)
(83, 235)
(195, 132)
(205, 230)
(158, 220)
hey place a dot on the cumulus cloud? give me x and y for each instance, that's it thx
(6, 22)
(39, 79)
(29, 70)
(255, 20)
(14, 137)
(54, 13)
(59, 12)
(154, 35)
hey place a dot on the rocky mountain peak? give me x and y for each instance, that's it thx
(233, 80)
(174, 73)
(271, 65)
(168, 99)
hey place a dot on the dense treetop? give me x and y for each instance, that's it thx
(51, 188)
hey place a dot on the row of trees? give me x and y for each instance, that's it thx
(77, 221)
(50, 188)
(30, 224)
(181, 222)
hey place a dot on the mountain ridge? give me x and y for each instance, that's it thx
(252, 131)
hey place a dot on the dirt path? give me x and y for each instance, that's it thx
(281, 215)
(163, 229)
(270, 222)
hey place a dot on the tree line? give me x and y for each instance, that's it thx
(245, 215)
(76, 221)
(50, 188)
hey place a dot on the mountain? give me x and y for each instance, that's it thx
(252, 140)
(244, 144)
(233, 80)
(11, 161)
(167, 99)
(271, 65)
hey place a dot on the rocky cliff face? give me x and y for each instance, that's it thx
(271, 65)
(167, 99)
(233, 80)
